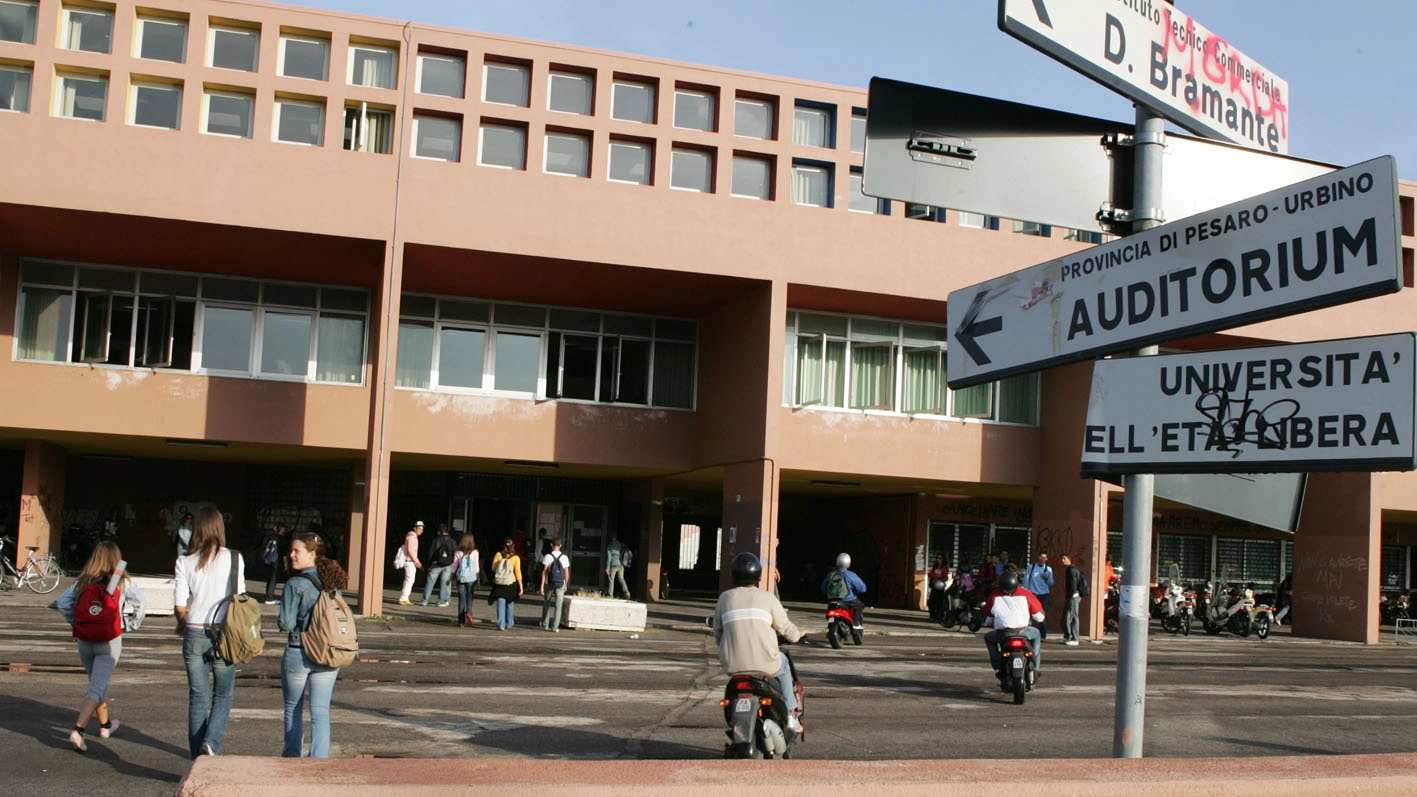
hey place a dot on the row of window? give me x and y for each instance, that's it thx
(851, 362)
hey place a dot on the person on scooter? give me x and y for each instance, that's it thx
(1012, 606)
(937, 583)
(845, 587)
(746, 626)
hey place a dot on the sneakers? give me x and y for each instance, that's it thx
(423, 603)
(405, 602)
(104, 733)
(441, 605)
(270, 601)
(794, 724)
(207, 749)
(76, 738)
(1071, 643)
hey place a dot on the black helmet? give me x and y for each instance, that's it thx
(746, 569)
(1008, 580)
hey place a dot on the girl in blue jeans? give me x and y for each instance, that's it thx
(310, 572)
(205, 577)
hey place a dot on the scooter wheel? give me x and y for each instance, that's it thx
(1186, 627)
(836, 635)
(1213, 630)
(1262, 628)
(975, 625)
(1020, 691)
(858, 637)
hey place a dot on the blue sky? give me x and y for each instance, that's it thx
(1350, 66)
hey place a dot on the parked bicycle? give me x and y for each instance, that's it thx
(40, 572)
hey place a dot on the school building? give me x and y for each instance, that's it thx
(348, 273)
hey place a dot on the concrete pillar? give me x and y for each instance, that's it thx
(749, 516)
(648, 541)
(1337, 559)
(41, 498)
(358, 521)
(383, 345)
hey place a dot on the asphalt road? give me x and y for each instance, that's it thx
(429, 690)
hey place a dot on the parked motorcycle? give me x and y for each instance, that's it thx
(1232, 609)
(1392, 609)
(841, 623)
(964, 608)
(1178, 609)
(1017, 664)
(756, 714)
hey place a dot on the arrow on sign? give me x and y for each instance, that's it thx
(969, 329)
(1042, 13)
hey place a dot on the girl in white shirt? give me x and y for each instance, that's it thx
(204, 580)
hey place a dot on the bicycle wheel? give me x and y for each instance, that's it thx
(45, 577)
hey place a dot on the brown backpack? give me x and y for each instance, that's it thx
(329, 637)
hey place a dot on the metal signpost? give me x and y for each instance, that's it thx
(1156, 55)
(1322, 242)
(1331, 405)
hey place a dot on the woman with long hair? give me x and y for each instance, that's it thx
(466, 575)
(206, 576)
(506, 583)
(100, 657)
(310, 572)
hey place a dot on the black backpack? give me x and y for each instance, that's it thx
(442, 551)
(556, 571)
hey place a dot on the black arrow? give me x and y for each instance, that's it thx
(969, 329)
(1042, 13)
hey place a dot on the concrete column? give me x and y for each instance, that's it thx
(383, 344)
(648, 541)
(358, 522)
(1337, 559)
(749, 516)
(41, 498)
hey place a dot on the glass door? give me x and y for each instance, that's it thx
(585, 538)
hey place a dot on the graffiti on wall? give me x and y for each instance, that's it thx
(1330, 574)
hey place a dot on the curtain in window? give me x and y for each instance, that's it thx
(975, 402)
(673, 375)
(375, 69)
(834, 374)
(922, 381)
(871, 376)
(415, 357)
(809, 370)
(809, 186)
(1018, 399)
(809, 127)
(339, 349)
(44, 324)
(378, 133)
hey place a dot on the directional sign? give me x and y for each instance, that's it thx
(1158, 56)
(1321, 242)
(944, 148)
(1331, 405)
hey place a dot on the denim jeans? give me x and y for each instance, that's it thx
(1043, 626)
(551, 606)
(784, 682)
(617, 573)
(440, 576)
(506, 613)
(465, 599)
(211, 681)
(1070, 617)
(295, 672)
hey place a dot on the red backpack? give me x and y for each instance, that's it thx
(96, 615)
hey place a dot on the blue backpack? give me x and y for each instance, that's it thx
(556, 571)
(467, 571)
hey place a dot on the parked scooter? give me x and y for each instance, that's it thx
(1017, 664)
(1178, 609)
(1398, 607)
(1232, 609)
(964, 608)
(841, 623)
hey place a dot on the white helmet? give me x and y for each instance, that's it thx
(843, 560)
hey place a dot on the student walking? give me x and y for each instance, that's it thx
(94, 606)
(204, 579)
(310, 573)
(407, 559)
(506, 584)
(467, 566)
(440, 566)
(555, 573)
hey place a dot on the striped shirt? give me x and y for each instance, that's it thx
(746, 626)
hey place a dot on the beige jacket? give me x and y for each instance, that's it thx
(746, 626)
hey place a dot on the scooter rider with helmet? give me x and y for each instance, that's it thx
(1010, 606)
(853, 586)
(746, 626)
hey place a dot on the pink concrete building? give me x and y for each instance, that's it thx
(350, 273)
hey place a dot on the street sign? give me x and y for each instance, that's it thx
(1329, 405)
(944, 148)
(1156, 55)
(1327, 240)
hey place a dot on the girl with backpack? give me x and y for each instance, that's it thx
(99, 599)
(465, 569)
(310, 572)
(506, 584)
(206, 577)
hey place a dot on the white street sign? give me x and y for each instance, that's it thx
(1321, 242)
(1158, 56)
(1330, 405)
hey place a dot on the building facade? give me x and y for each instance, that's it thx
(347, 273)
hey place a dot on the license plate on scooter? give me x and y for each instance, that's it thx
(744, 704)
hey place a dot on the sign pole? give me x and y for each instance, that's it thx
(1133, 616)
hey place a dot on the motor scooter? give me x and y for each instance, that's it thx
(1232, 609)
(1017, 665)
(964, 608)
(756, 714)
(841, 623)
(1178, 609)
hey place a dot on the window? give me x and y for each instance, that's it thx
(226, 338)
(632, 102)
(304, 57)
(859, 201)
(752, 177)
(691, 170)
(570, 92)
(161, 39)
(1082, 236)
(1033, 228)
(441, 74)
(460, 357)
(228, 113)
(811, 184)
(15, 82)
(233, 48)
(630, 161)
(695, 110)
(81, 96)
(1018, 399)
(978, 221)
(285, 343)
(516, 362)
(155, 105)
(368, 129)
(503, 146)
(437, 137)
(858, 130)
(568, 153)
(753, 118)
(915, 210)
(812, 126)
(506, 84)
(88, 29)
(300, 122)
(372, 66)
(17, 20)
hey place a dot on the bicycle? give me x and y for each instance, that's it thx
(40, 573)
